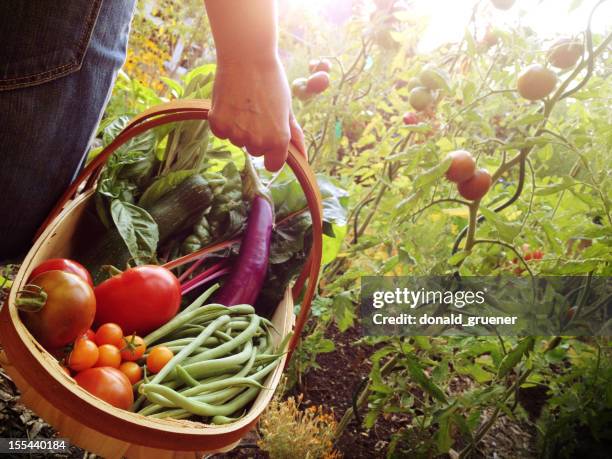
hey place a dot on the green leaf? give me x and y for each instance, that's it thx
(507, 231)
(419, 376)
(458, 257)
(513, 357)
(433, 174)
(162, 185)
(138, 230)
(343, 311)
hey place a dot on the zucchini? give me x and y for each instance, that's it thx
(175, 212)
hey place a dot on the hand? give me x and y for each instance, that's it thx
(251, 106)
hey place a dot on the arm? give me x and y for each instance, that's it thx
(251, 103)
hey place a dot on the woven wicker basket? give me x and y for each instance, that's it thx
(88, 421)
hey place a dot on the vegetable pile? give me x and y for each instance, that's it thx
(221, 358)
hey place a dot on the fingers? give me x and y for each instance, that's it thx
(297, 135)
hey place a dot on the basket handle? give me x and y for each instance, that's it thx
(197, 109)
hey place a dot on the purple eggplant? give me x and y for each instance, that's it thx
(250, 269)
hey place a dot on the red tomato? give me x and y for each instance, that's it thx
(538, 254)
(67, 312)
(158, 358)
(139, 300)
(132, 371)
(410, 118)
(133, 348)
(84, 355)
(316, 65)
(462, 167)
(476, 187)
(63, 264)
(89, 334)
(109, 384)
(109, 333)
(108, 356)
(317, 82)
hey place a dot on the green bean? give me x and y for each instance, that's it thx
(226, 419)
(225, 348)
(206, 333)
(202, 408)
(181, 319)
(185, 377)
(199, 368)
(242, 309)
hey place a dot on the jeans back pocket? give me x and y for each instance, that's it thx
(41, 40)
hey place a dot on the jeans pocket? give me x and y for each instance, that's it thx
(42, 40)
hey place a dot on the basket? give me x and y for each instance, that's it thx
(90, 422)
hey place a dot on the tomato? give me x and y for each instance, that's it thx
(108, 384)
(490, 38)
(89, 334)
(139, 300)
(84, 355)
(109, 333)
(133, 348)
(316, 65)
(413, 83)
(410, 118)
(108, 356)
(420, 98)
(565, 52)
(158, 358)
(503, 4)
(132, 371)
(462, 166)
(536, 82)
(430, 77)
(476, 187)
(317, 82)
(63, 264)
(538, 254)
(571, 312)
(298, 88)
(66, 313)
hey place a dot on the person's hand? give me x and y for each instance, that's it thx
(251, 107)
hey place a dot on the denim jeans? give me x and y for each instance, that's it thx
(58, 63)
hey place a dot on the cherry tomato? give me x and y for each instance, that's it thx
(132, 371)
(410, 118)
(158, 358)
(536, 82)
(84, 355)
(476, 187)
(109, 384)
(133, 348)
(565, 52)
(63, 264)
(316, 65)
(317, 82)
(109, 333)
(109, 356)
(538, 254)
(420, 98)
(66, 313)
(462, 166)
(89, 334)
(139, 300)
